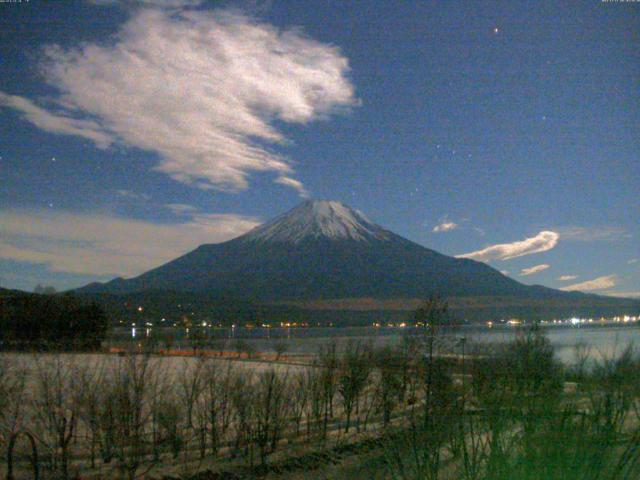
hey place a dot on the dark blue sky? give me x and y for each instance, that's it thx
(497, 121)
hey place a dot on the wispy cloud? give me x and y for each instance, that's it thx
(600, 283)
(535, 269)
(504, 272)
(542, 242)
(445, 226)
(133, 195)
(203, 90)
(631, 294)
(592, 234)
(293, 183)
(108, 245)
(181, 208)
(57, 122)
(632, 261)
(566, 278)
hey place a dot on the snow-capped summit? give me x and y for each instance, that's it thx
(318, 219)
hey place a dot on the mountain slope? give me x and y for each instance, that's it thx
(323, 250)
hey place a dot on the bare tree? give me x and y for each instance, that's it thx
(280, 347)
(92, 401)
(12, 397)
(130, 409)
(328, 367)
(189, 390)
(354, 370)
(242, 399)
(299, 394)
(215, 409)
(57, 399)
(270, 411)
(315, 384)
(389, 381)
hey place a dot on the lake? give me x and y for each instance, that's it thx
(602, 341)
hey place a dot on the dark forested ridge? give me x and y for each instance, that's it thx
(34, 321)
(178, 307)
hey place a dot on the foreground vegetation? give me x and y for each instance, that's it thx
(514, 414)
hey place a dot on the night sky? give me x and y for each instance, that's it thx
(132, 132)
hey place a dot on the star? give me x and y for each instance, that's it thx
(496, 30)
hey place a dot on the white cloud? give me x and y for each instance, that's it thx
(566, 278)
(445, 226)
(203, 90)
(632, 261)
(293, 183)
(632, 294)
(535, 269)
(58, 123)
(504, 272)
(542, 242)
(107, 245)
(599, 283)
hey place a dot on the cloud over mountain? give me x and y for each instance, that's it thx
(445, 227)
(108, 245)
(543, 241)
(599, 283)
(566, 278)
(203, 90)
(535, 269)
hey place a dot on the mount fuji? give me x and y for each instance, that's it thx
(319, 250)
(325, 255)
